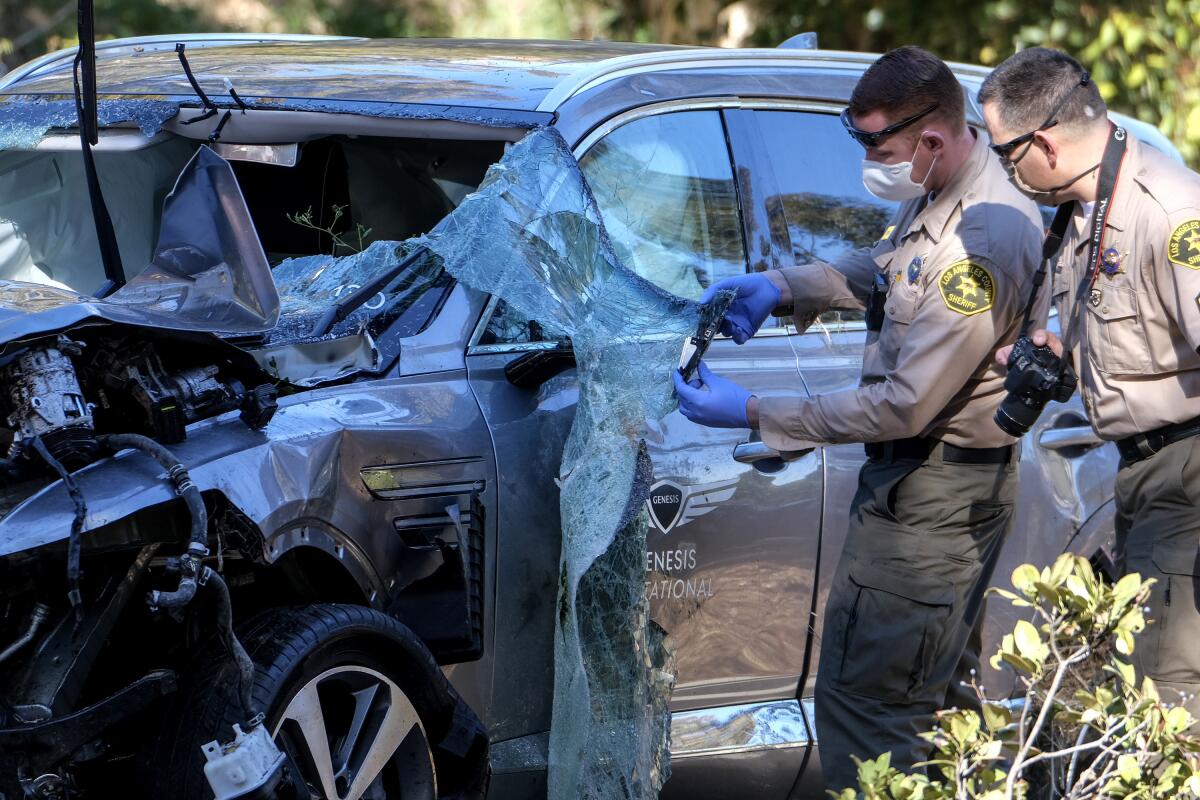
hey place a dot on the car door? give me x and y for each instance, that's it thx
(731, 542)
(731, 550)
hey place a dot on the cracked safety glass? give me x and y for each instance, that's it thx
(532, 235)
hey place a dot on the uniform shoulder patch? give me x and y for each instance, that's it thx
(967, 288)
(1184, 247)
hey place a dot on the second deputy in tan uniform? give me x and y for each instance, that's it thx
(947, 282)
(1134, 330)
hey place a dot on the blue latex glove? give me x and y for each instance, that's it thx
(757, 297)
(711, 400)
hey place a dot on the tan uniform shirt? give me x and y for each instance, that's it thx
(1141, 318)
(960, 269)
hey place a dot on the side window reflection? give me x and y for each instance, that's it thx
(827, 210)
(665, 188)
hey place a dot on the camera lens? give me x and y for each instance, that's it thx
(1015, 416)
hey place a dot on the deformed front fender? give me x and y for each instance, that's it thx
(286, 479)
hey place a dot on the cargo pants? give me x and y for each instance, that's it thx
(1158, 533)
(902, 622)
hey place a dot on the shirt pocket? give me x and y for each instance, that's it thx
(1116, 336)
(902, 300)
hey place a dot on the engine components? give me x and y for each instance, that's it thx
(36, 618)
(136, 381)
(67, 391)
(46, 400)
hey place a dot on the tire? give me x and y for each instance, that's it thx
(367, 674)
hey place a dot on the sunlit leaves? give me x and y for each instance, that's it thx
(1124, 738)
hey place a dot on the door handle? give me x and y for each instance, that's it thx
(1062, 438)
(755, 452)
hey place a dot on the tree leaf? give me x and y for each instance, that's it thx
(1029, 641)
(996, 716)
(1024, 577)
(1128, 769)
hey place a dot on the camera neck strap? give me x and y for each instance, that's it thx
(1106, 187)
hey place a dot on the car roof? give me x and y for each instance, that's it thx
(500, 74)
(515, 75)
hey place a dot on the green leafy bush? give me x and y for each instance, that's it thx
(1083, 727)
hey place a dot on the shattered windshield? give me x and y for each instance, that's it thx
(403, 307)
(533, 236)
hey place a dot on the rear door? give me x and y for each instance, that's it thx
(822, 210)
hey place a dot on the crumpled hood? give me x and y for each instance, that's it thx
(208, 273)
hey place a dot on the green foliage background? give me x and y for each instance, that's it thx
(1144, 53)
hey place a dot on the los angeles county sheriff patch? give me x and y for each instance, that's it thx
(967, 288)
(1184, 247)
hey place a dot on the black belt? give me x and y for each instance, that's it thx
(1143, 445)
(919, 448)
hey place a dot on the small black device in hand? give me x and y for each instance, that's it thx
(1035, 377)
(696, 345)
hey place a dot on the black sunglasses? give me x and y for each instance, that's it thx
(873, 138)
(1006, 149)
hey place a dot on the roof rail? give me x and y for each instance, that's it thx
(801, 41)
(686, 58)
(151, 43)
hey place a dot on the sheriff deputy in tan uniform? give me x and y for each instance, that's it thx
(943, 288)
(1129, 307)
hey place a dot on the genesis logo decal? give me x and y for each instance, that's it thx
(673, 506)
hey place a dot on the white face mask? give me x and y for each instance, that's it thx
(894, 181)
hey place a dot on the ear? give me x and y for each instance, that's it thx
(934, 141)
(1049, 146)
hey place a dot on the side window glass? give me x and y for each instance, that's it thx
(819, 175)
(665, 189)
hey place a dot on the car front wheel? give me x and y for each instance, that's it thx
(351, 733)
(350, 695)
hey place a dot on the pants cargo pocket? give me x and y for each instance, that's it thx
(1172, 650)
(897, 623)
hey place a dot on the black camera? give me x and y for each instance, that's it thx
(1035, 377)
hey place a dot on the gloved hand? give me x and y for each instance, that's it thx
(757, 297)
(711, 400)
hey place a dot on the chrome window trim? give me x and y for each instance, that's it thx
(509, 347)
(746, 728)
(809, 706)
(481, 326)
(708, 103)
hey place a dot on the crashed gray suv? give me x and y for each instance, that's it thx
(289, 438)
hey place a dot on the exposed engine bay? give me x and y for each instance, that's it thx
(236, 269)
(65, 390)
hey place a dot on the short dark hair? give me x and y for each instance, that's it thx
(1028, 85)
(906, 81)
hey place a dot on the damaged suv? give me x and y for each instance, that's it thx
(286, 473)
